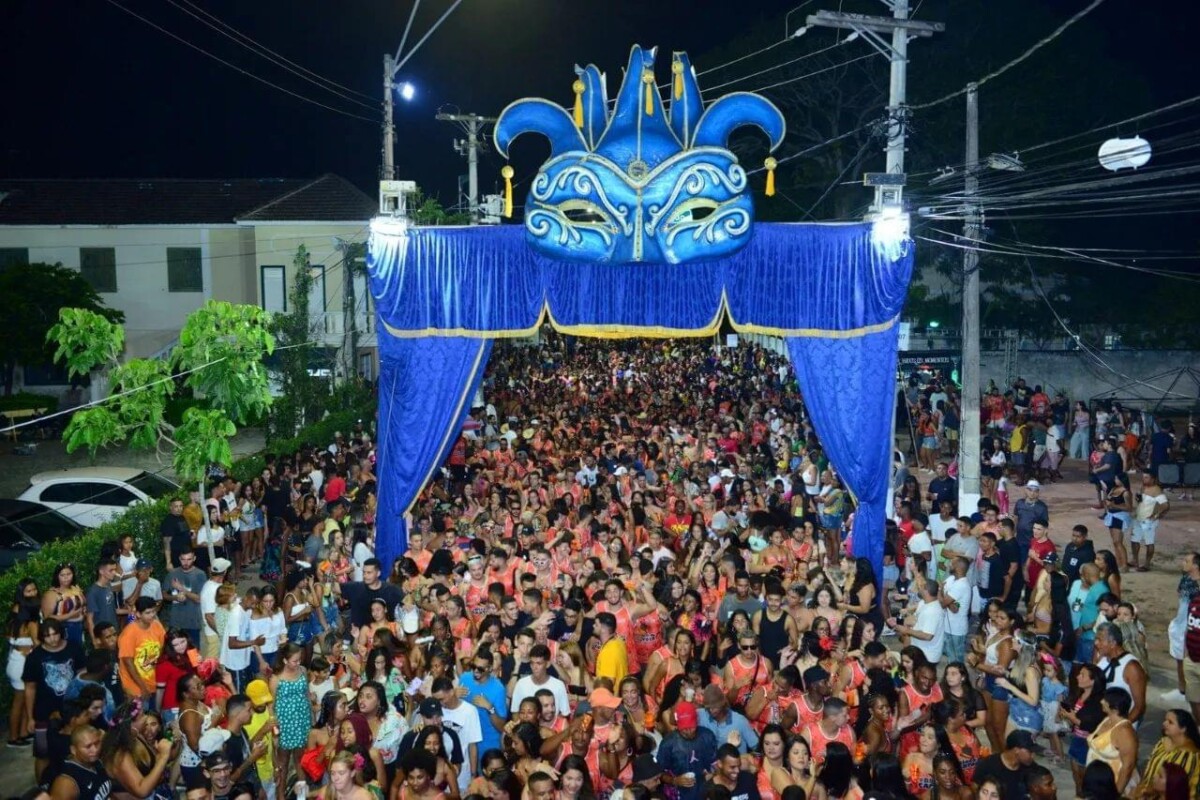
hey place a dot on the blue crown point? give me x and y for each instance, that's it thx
(639, 183)
(686, 103)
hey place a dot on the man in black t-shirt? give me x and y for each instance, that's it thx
(728, 772)
(1008, 768)
(360, 594)
(176, 536)
(1010, 551)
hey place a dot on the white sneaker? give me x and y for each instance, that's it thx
(1173, 696)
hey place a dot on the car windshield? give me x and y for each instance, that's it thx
(153, 485)
(43, 525)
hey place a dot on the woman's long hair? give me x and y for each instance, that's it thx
(838, 770)
(24, 611)
(886, 776)
(121, 737)
(1177, 782)
(328, 707)
(577, 762)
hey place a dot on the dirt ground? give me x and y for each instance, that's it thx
(1153, 592)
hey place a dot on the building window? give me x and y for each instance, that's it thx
(98, 265)
(274, 289)
(11, 256)
(184, 273)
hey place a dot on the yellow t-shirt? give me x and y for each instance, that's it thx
(612, 662)
(266, 764)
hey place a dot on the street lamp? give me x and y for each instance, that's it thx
(407, 91)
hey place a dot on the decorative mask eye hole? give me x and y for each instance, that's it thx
(693, 210)
(583, 212)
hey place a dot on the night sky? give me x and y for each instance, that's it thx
(93, 92)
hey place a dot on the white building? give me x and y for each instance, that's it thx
(158, 249)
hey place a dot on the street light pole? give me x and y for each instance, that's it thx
(387, 171)
(968, 459)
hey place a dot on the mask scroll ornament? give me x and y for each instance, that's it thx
(641, 182)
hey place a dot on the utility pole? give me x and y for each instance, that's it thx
(889, 185)
(387, 171)
(968, 458)
(473, 124)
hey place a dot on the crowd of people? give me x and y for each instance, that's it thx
(633, 579)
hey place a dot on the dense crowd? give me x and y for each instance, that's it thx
(632, 579)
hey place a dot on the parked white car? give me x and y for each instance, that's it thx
(93, 495)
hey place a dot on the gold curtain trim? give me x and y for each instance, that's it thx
(644, 331)
(453, 432)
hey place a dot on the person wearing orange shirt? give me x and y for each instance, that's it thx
(139, 647)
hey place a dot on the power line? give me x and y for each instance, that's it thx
(998, 72)
(809, 75)
(237, 36)
(849, 166)
(232, 66)
(813, 148)
(743, 58)
(772, 68)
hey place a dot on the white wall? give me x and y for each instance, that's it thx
(153, 314)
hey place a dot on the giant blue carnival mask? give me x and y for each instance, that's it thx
(636, 184)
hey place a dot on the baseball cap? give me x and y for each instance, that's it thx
(431, 707)
(685, 716)
(142, 564)
(1021, 740)
(645, 768)
(220, 566)
(259, 692)
(1050, 558)
(603, 698)
(213, 740)
(1032, 484)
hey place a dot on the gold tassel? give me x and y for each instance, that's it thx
(648, 79)
(507, 172)
(770, 164)
(577, 86)
(677, 68)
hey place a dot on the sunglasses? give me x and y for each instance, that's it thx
(747, 648)
(480, 668)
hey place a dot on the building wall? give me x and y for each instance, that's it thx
(1083, 378)
(233, 265)
(152, 313)
(275, 244)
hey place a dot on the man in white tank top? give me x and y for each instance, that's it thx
(1121, 668)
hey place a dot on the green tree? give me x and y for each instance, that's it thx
(34, 294)
(425, 209)
(302, 395)
(219, 358)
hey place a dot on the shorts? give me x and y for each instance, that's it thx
(1176, 633)
(1117, 520)
(1077, 750)
(1017, 459)
(1191, 674)
(832, 522)
(999, 694)
(929, 442)
(1144, 531)
(15, 669)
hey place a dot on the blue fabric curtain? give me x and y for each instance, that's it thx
(426, 386)
(487, 281)
(849, 387)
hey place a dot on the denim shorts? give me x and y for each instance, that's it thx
(999, 694)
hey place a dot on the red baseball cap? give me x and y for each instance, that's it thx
(685, 715)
